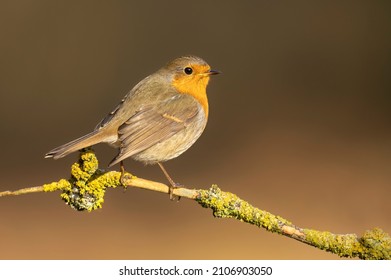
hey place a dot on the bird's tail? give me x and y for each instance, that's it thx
(88, 140)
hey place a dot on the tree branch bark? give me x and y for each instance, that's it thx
(86, 188)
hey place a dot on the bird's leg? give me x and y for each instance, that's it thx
(122, 170)
(172, 183)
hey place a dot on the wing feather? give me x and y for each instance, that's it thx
(155, 123)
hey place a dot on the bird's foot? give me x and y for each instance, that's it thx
(123, 179)
(172, 187)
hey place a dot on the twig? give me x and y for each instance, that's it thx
(22, 191)
(86, 188)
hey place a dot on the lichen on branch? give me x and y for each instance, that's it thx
(86, 187)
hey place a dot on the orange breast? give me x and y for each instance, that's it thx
(195, 86)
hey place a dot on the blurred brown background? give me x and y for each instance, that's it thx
(299, 122)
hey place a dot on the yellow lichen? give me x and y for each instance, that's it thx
(344, 245)
(56, 186)
(228, 205)
(377, 244)
(86, 188)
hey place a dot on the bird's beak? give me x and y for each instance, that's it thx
(213, 72)
(209, 72)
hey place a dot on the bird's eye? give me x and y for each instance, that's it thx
(188, 70)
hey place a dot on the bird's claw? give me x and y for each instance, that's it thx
(172, 187)
(124, 179)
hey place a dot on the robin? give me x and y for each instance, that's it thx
(159, 119)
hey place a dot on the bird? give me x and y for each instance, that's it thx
(158, 119)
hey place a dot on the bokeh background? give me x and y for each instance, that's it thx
(299, 122)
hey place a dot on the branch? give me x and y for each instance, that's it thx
(86, 188)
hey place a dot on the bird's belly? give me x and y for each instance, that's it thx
(173, 146)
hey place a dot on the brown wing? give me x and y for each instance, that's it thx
(155, 123)
(106, 120)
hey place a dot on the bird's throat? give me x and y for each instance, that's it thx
(195, 88)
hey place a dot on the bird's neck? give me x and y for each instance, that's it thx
(197, 89)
